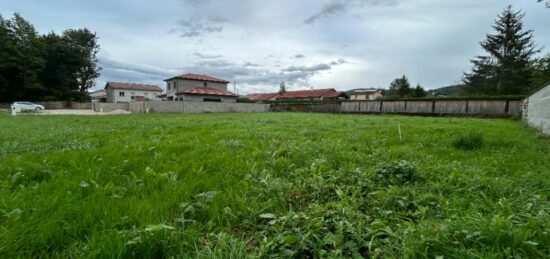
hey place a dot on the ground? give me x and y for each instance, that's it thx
(272, 185)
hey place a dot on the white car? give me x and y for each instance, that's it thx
(26, 106)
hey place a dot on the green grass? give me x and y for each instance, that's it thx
(271, 185)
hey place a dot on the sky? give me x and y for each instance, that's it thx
(257, 44)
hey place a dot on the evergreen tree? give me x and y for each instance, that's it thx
(507, 67)
(419, 91)
(400, 87)
(541, 71)
(282, 87)
(546, 2)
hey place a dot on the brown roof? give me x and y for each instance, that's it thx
(307, 94)
(128, 86)
(207, 91)
(262, 97)
(198, 78)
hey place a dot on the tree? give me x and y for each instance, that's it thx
(11, 67)
(507, 66)
(541, 71)
(282, 87)
(25, 39)
(60, 68)
(83, 46)
(400, 87)
(546, 2)
(419, 91)
(482, 78)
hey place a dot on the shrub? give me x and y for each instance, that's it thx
(470, 141)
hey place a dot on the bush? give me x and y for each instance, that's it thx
(470, 141)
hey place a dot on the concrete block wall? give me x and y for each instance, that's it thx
(194, 107)
(109, 107)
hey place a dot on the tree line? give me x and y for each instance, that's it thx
(45, 67)
(509, 66)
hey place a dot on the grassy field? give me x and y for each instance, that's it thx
(272, 185)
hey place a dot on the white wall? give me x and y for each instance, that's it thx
(113, 95)
(538, 110)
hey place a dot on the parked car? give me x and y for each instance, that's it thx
(27, 106)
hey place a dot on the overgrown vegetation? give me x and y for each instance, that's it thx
(470, 141)
(271, 185)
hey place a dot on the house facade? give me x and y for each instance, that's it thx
(195, 87)
(126, 92)
(365, 94)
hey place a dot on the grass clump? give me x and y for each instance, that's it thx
(469, 141)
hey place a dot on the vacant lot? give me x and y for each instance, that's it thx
(272, 184)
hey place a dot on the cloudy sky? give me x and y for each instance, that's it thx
(342, 44)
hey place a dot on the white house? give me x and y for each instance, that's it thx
(126, 92)
(195, 87)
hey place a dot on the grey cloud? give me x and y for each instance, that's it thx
(338, 62)
(330, 8)
(195, 27)
(299, 56)
(334, 7)
(315, 68)
(205, 56)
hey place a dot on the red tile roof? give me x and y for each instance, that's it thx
(261, 97)
(128, 86)
(309, 94)
(198, 78)
(207, 91)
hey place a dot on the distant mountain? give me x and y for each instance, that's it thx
(452, 90)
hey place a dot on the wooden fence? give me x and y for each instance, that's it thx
(487, 108)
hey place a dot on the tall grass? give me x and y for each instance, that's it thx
(270, 185)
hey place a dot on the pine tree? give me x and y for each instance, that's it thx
(282, 87)
(507, 66)
(419, 91)
(541, 71)
(400, 87)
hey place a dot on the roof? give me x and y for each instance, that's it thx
(207, 91)
(314, 93)
(198, 78)
(129, 86)
(262, 96)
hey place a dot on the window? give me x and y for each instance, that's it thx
(175, 86)
(216, 100)
(120, 93)
(205, 84)
(168, 86)
(146, 94)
